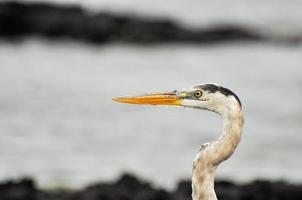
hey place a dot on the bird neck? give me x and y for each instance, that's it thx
(212, 154)
(203, 181)
(225, 146)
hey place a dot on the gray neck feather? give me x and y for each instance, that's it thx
(212, 154)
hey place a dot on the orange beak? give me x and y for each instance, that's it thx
(152, 99)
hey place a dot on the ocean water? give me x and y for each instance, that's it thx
(60, 126)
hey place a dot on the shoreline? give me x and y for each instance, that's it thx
(52, 21)
(129, 186)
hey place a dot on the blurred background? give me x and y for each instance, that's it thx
(61, 63)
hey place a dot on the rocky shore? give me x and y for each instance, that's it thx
(129, 187)
(19, 20)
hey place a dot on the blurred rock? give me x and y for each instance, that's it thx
(128, 187)
(17, 190)
(18, 20)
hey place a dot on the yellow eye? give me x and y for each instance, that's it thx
(198, 93)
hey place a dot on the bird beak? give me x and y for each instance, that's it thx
(170, 98)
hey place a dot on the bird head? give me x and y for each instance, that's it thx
(211, 97)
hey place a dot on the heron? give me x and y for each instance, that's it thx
(215, 98)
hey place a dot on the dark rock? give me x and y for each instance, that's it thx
(128, 187)
(18, 20)
(183, 191)
(18, 190)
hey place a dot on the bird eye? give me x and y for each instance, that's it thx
(198, 93)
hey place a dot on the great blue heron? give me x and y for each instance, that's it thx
(211, 97)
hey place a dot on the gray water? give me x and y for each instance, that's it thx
(59, 124)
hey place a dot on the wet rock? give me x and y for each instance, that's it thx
(18, 20)
(18, 190)
(128, 187)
